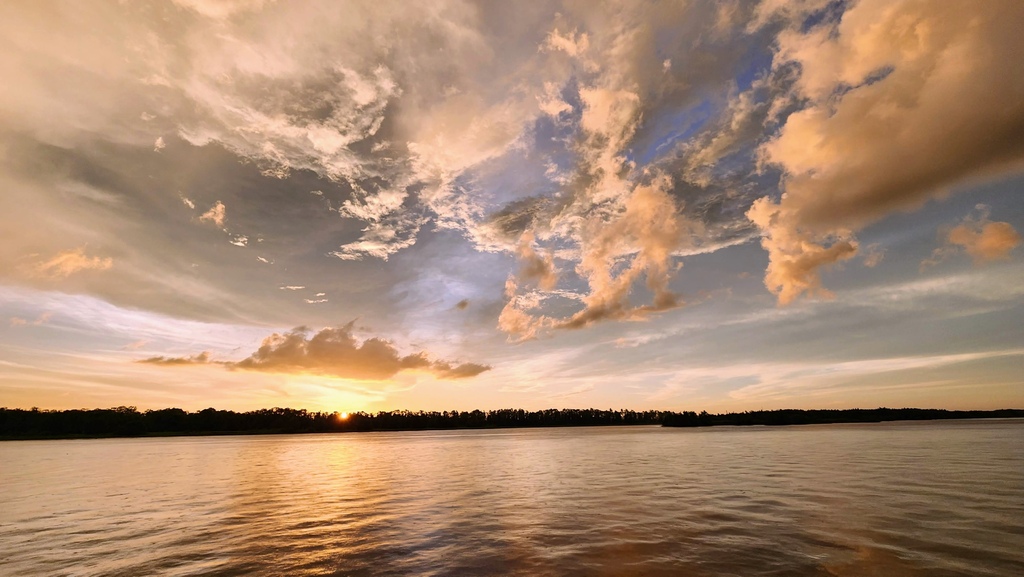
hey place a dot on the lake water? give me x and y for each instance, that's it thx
(900, 499)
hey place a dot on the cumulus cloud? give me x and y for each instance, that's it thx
(795, 256)
(69, 262)
(987, 242)
(619, 222)
(333, 352)
(903, 100)
(982, 239)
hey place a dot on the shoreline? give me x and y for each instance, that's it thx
(127, 422)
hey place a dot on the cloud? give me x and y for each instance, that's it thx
(221, 9)
(462, 305)
(873, 255)
(611, 140)
(69, 262)
(637, 240)
(618, 221)
(534, 267)
(795, 256)
(982, 239)
(992, 241)
(650, 229)
(40, 320)
(202, 358)
(903, 100)
(445, 370)
(383, 239)
(517, 318)
(572, 43)
(333, 352)
(216, 214)
(426, 124)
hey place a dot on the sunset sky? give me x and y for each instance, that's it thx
(721, 205)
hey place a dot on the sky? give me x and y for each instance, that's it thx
(448, 205)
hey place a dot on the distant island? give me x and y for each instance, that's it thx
(827, 416)
(130, 422)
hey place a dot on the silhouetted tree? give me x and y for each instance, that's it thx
(128, 421)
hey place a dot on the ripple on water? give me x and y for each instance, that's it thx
(899, 499)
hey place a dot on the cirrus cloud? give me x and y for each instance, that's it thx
(69, 262)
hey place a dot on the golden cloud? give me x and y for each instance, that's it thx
(332, 352)
(905, 98)
(216, 214)
(979, 237)
(69, 262)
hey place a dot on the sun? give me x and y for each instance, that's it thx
(343, 416)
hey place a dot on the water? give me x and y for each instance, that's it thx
(901, 499)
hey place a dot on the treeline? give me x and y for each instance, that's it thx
(827, 416)
(130, 422)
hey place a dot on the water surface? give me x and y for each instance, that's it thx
(900, 499)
